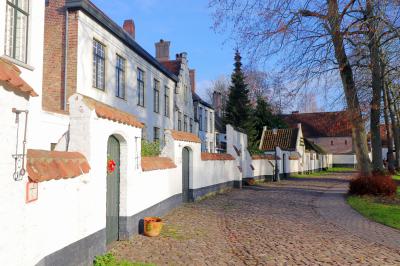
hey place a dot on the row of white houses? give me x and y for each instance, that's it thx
(67, 114)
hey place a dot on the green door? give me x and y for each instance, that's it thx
(185, 174)
(112, 210)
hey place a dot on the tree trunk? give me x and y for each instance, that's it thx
(395, 127)
(373, 45)
(346, 74)
(389, 136)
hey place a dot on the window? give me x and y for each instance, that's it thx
(205, 121)
(120, 75)
(166, 102)
(211, 122)
(345, 142)
(140, 83)
(144, 133)
(185, 93)
(332, 142)
(191, 125)
(156, 92)
(156, 134)
(200, 119)
(185, 125)
(98, 65)
(16, 42)
(179, 121)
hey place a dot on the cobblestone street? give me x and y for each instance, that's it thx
(294, 222)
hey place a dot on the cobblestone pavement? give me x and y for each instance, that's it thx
(269, 224)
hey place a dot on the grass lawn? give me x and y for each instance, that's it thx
(396, 177)
(341, 169)
(376, 209)
(322, 173)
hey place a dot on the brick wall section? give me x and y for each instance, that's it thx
(53, 65)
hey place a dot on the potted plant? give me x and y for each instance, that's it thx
(152, 226)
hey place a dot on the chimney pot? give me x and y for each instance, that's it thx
(129, 27)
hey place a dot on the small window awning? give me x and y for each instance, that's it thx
(48, 165)
(157, 163)
(10, 75)
(108, 112)
(185, 136)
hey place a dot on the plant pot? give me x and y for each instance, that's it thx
(152, 226)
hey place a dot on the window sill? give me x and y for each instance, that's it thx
(18, 63)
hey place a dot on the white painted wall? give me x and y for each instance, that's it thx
(262, 167)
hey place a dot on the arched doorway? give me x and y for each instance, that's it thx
(185, 174)
(113, 186)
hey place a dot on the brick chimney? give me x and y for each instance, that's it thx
(192, 75)
(129, 27)
(162, 50)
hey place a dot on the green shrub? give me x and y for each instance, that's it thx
(150, 149)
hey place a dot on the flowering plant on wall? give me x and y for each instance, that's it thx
(110, 166)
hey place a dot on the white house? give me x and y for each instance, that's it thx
(102, 60)
(183, 102)
(205, 116)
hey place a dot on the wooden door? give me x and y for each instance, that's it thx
(112, 209)
(185, 174)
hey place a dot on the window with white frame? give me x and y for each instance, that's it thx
(205, 121)
(16, 42)
(200, 119)
(156, 134)
(156, 95)
(179, 121)
(120, 76)
(140, 84)
(185, 124)
(98, 65)
(191, 125)
(166, 102)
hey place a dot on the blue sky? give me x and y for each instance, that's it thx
(187, 24)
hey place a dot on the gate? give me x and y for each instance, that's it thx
(185, 174)
(112, 208)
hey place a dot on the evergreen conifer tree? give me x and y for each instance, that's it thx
(238, 108)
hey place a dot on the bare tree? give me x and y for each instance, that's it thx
(310, 36)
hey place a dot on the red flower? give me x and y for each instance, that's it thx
(111, 166)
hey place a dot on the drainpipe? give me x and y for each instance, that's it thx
(66, 59)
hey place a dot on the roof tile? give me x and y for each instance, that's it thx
(10, 75)
(157, 163)
(185, 136)
(47, 165)
(108, 112)
(205, 156)
(264, 157)
(285, 139)
(321, 124)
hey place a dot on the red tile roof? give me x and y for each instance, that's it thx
(321, 124)
(284, 138)
(264, 157)
(108, 112)
(205, 156)
(10, 75)
(174, 66)
(47, 165)
(157, 163)
(383, 133)
(185, 136)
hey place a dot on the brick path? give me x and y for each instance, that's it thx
(293, 222)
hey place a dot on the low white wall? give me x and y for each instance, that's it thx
(262, 167)
(344, 159)
(215, 172)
